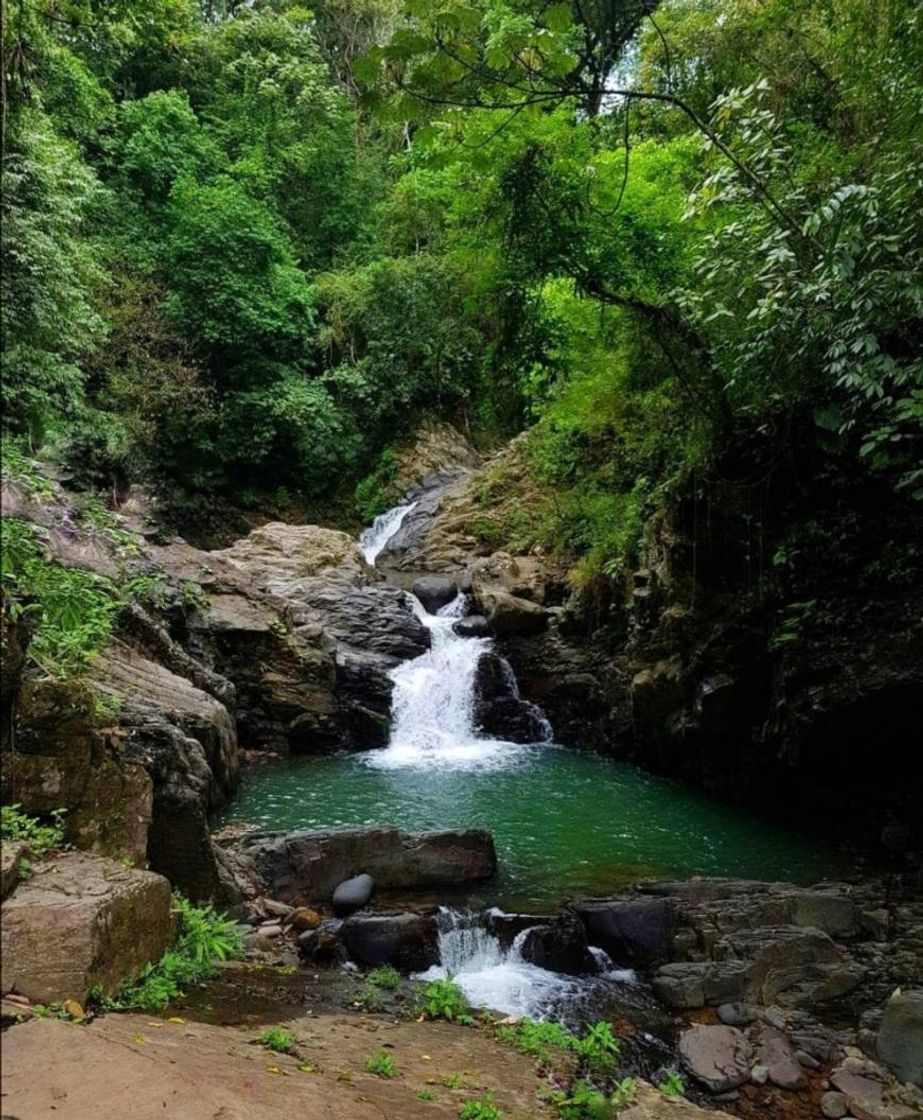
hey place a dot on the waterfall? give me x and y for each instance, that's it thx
(382, 529)
(490, 976)
(433, 702)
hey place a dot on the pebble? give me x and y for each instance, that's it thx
(270, 929)
(806, 1060)
(834, 1105)
(759, 1075)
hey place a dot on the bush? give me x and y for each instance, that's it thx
(205, 937)
(278, 1039)
(443, 999)
(381, 1064)
(41, 838)
(480, 1108)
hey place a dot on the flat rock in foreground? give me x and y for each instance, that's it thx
(299, 867)
(82, 920)
(129, 1065)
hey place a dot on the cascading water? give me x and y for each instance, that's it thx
(503, 980)
(432, 707)
(433, 723)
(382, 529)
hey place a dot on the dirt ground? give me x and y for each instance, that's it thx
(135, 1067)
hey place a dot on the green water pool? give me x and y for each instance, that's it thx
(566, 823)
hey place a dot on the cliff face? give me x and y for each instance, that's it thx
(283, 642)
(768, 646)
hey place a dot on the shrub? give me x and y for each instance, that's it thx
(205, 937)
(381, 1064)
(41, 838)
(385, 977)
(278, 1039)
(480, 1108)
(529, 1037)
(443, 999)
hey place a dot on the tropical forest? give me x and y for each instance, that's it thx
(462, 559)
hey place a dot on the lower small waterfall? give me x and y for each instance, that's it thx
(376, 536)
(491, 976)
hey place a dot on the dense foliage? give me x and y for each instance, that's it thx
(247, 246)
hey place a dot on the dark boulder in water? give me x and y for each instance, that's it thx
(352, 894)
(474, 626)
(559, 946)
(434, 591)
(407, 941)
(632, 931)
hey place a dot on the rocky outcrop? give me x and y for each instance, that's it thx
(368, 627)
(405, 940)
(499, 710)
(80, 921)
(303, 867)
(632, 931)
(559, 946)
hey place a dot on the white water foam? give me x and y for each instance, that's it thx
(432, 709)
(500, 979)
(382, 529)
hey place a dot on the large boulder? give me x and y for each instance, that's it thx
(717, 1056)
(407, 941)
(79, 921)
(301, 867)
(559, 946)
(499, 711)
(632, 931)
(899, 1043)
(510, 616)
(434, 591)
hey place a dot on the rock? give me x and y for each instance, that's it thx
(716, 1056)
(299, 867)
(509, 616)
(80, 920)
(738, 1014)
(302, 918)
(12, 852)
(632, 931)
(434, 591)
(498, 709)
(899, 1043)
(559, 946)
(681, 985)
(834, 1105)
(787, 965)
(472, 626)
(406, 941)
(759, 1075)
(775, 1053)
(270, 930)
(352, 894)
(322, 944)
(277, 909)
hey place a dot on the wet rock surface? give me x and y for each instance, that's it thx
(407, 941)
(301, 867)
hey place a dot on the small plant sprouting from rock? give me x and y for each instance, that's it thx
(205, 937)
(40, 838)
(278, 1039)
(381, 1064)
(443, 999)
(427, 1095)
(673, 1084)
(480, 1108)
(453, 1080)
(385, 977)
(537, 1039)
(598, 1049)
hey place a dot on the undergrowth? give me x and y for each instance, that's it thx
(205, 937)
